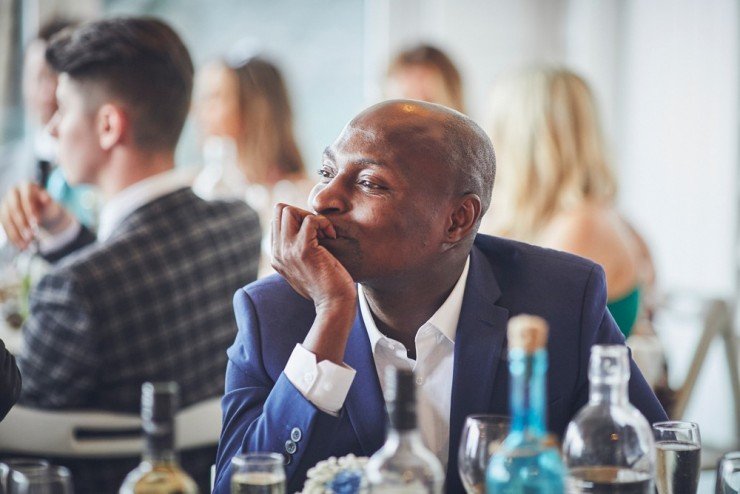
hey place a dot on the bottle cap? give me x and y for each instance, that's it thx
(401, 397)
(609, 364)
(159, 401)
(527, 332)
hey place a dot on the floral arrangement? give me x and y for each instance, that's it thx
(345, 475)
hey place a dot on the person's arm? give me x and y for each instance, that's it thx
(61, 358)
(10, 381)
(598, 328)
(259, 414)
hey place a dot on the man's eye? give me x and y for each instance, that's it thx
(369, 185)
(324, 173)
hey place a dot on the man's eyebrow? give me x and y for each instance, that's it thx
(367, 162)
(328, 154)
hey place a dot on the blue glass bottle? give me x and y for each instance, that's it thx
(528, 461)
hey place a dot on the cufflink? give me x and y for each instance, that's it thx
(296, 434)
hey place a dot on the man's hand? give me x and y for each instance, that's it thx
(316, 274)
(27, 208)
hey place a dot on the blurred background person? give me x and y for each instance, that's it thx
(247, 108)
(554, 185)
(39, 97)
(424, 72)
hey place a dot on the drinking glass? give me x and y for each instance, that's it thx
(678, 457)
(728, 474)
(481, 437)
(51, 480)
(20, 464)
(258, 473)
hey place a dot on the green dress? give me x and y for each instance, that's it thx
(624, 310)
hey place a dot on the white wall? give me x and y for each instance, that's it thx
(678, 153)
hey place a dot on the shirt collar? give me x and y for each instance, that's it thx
(125, 202)
(445, 319)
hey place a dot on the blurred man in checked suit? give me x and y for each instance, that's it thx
(150, 298)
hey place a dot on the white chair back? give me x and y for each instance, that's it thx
(83, 434)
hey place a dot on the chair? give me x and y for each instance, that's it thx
(93, 434)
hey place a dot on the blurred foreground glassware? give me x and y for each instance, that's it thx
(609, 446)
(50, 480)
(728, 474)
(258, 473)
(481, 437)
(21, 464)
(678, 458)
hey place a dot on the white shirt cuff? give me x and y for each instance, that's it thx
(52, 243)
(325, 384)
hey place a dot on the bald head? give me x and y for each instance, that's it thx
(438, 133)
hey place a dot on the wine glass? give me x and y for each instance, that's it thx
(258, 472)
(481, 437)
(728, 474)
(678, 458)
(20, 464)
(51, 480)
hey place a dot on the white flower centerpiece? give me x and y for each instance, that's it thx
(345, 475)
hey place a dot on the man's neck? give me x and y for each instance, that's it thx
(132, 166)
(400, 311)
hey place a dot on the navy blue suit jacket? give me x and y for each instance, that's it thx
(261, 407)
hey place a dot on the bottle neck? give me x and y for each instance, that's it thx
(159, 443)
(608, 393)
(403, 439)
(527, 394)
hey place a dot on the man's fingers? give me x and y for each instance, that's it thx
(14, 233)
(30, 200)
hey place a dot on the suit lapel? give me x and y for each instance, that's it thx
(479, 344)
(364, 405)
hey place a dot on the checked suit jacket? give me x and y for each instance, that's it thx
(263, 411)
(151, 303)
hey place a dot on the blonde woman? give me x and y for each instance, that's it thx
(248, 103)
(554, 186)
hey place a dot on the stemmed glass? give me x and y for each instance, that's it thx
(481, 437)
(678, 458)
(728, 474)
(51, 480)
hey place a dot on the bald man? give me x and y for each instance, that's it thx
(388, 270)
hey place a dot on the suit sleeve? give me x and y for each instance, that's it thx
(60, 360)
(83, 238)
(259, 414)
(10, 381)
(598, 328)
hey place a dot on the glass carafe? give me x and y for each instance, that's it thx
(609, 446)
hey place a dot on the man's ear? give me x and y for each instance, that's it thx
(112, 124)
(464, 217)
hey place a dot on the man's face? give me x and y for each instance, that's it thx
(79, 152)
(39, 84)
(386, 194)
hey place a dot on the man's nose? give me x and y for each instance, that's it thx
(328, 198)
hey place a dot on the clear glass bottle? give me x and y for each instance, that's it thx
(403, 465)
(609, 446)
(159, 471)
(528, 460)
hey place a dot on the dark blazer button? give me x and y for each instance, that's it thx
(295, 434)
(288, 458)
(290, 447)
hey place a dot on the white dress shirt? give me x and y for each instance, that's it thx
(119, 207)
(326, 384)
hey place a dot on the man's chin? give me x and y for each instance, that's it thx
(347, 252)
